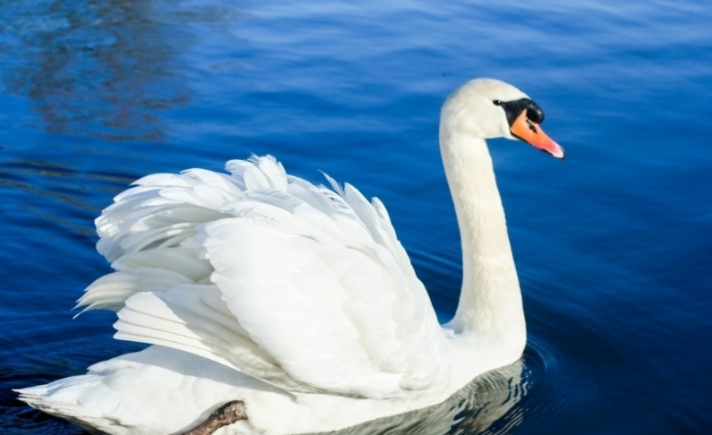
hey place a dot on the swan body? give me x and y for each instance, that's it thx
(295, 298)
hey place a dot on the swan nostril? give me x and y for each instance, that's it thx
(531, 125)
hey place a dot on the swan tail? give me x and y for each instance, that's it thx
(63, 399)
(146, 389)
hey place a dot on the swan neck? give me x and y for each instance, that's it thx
(490, 301)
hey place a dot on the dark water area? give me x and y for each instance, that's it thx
(612, 246)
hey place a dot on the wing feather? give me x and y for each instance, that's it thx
(305, 287)
(195, 319)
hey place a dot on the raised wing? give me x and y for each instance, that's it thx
(299, 285)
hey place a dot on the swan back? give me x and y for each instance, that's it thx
(302, 286)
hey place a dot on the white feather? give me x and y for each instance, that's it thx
(315, 277)
(296, 298)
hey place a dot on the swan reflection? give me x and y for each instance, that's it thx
(488, 403)
(107, 70)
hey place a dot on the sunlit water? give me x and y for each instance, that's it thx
(612, 246)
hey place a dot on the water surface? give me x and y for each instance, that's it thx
(612, 246)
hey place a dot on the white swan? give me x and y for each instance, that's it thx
(296, 299)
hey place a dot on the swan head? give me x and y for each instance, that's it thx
(489, 108)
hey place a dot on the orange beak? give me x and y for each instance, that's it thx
(530, 132)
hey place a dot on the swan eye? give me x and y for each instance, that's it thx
(497, 102)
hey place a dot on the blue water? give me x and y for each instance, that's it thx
(612, 246)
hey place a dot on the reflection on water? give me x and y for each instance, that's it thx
(104, 67)
(32, 169)
(485, 406)
(31, 184)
